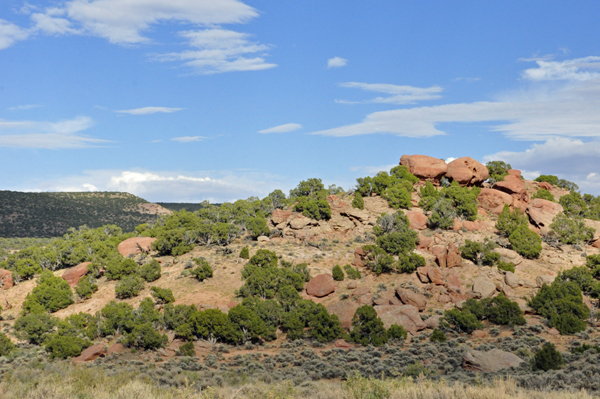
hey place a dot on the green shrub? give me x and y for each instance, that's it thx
(367, 328)
(65, 346)
(145, 336)
(480, 253)
(584, 348)
(429, 196)
(129, 287)
(509, 221)
(562, 304)
(572, 230)
(442, 215)
(257, 226)
(247, 323)
(463, 321)
(543, 194)
(497, 170)
(548, 179)
(116, 270)
(325, 327)
(307, 188)
(52, 293)
(506, 266)
(358, 201)
(34, 328)
(186, 349)
(150, 271)
(203, 271)
(6, 345)
(526, 243)
(117, 317)
(438, 336)
(573, 204)
(593, 263)
(352, 273)
(314, 208)
(378, 260)
(548, 358)
(245, 253)
(337, 273)
(409, 263)
(398, 196)
(502, 311)
(85, 289)
(162, 295)
(396, 332)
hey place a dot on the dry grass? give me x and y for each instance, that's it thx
(66, 381)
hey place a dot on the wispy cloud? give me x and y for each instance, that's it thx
(189, 139)
(24, 107)
(468, 80)
(11, 33)
(398, 94)
(218, 51)
(336, 62)
(48, 135)
(567, 109)
(149, 110)
(288, 127)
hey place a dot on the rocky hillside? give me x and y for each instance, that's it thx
(51, 214)
(464, 276)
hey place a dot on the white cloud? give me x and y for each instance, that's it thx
(24, 107)
(52, 22)
(189, 139)
(170, 186)
(336, 62)
(218, 51)
(11, 33)
(579, 69)
(148, 110)
(469, 80)
(567, 109)
(449, 159)
(48, 135)
(571, 159)
(288, 127)
(399, 94)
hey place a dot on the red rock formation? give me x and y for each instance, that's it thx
(409, 297)
(74, 274)
(424, 167)
(359, 257)
(467, 171)
(417, 220)
(6, 281)
(135, 245)
(542, 211)
(494, 200)
(424, 242)
(344, 310)
(545, 185)
(115, 348)
(320, 286)
(406, 316)
(91, 353)
(280, 216)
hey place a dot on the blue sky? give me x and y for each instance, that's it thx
(187, 100)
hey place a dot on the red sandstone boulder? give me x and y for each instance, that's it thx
(409, 297)
(472, 226)
(494, 200)
(424, 167)
(135, 245)
(359, 257)
(280, 216)
(430, 274)
(441, 253)
(453, 283)
(510, 186)
(424, 242)
(91, 353)
(74, 274)
(417, 219)
(467, 171)
(320, 286)
(514, 172)
(545, 185)
(6, 279)
(542, 211)
(344, 310)
(406, 316)
(453, 259)
(490, 361)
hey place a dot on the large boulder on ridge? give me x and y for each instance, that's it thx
(74, 274)
(320, 286)
(494, 200)
(425, 167)
(135, 245)
(542, 212)
(467, 172)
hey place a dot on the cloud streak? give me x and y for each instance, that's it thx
(11, 33)
(149, 110)
(398, 94)
(189, 139)
(288, 127)
(336, 62)
(65, 134)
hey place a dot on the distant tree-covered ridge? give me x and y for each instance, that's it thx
(51, 214)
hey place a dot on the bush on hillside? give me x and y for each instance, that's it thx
(314, 208)
(462, 321)
(162, 295)
(52, 293)
(398, 196)
(506, 266)
(116, 270)
(555, 181)
(543, 194)
(325, 327)
(526, 242)
(203, 271)
(438, 336)
(584, 278)
(65, 346)
(442, 215)
(245, 253)
(129, 287)
(358, 201)
(145, 336)
(34, 328)
(337, 273)
(186, 349)
(150, 271)
(480, 253)
(509, 221)
(573, 204)
(352, 273)
(497, 171)
(429, 196)
(548, 358)
(396, 332)
(85, 288)
(257, 226)
(409, 263)
(6, 345)
(572, 230)
(367, 328)
(562, 304)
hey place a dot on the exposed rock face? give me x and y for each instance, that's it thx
(320, 286)
(512, 280)
(494, 200)
(453, 283)
(91, 353)
(74, 274)
(115, 348)
(453, 259)
(542, 211)
(343, 344)
(514, 172)
(595, 224)
(467, 171)
(424, 167)
(135, 245)
(409, 297)
(490, 361)
(406, 316)
(510, 186)
(545, 185)
(6, 281)
(279, 216)
(424, 242)
(359, 257)
(541, 280)
(430, 274)
(417, 219)
(344, 310)
(484, 287)
(300, 222)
